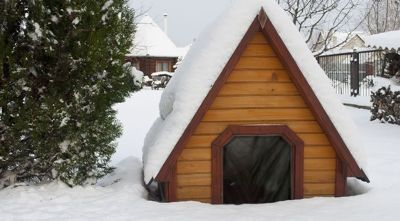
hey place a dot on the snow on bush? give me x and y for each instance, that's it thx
(57, 87)
(137, 77)
(386, 105)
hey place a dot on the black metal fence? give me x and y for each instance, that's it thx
(352, 73)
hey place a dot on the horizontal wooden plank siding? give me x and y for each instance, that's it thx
(258, 114)
(233, 102)
(259, 76)
(202, 179)
(258, 91)
(266, 89)
(315, 139)
(259, 38)
(194, 192)
(196, 154)
(201, 141)
(319, 164)
(319, 176)
(319, 152)
(297, 126)
(309, 140)
(257, 50)
(250, 63)
(193, 167)
(319, 188)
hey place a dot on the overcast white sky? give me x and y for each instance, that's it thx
(186, 18)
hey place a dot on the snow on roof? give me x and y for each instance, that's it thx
(205, 61)
(151, 41)
(387, 40)
(337, 38)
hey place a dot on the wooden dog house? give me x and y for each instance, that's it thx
(260, 133)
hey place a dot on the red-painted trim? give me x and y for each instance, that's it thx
(297, 171)
(172, 186)
(341, 179)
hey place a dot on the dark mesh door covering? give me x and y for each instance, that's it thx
(256, 169)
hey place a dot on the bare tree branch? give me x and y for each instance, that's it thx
(329, 16)
(382, 16)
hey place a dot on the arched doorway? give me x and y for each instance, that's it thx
(257, 164)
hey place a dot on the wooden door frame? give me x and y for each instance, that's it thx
(297, 171)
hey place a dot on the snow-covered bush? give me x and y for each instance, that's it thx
(392, 67)
(138, 78)
(61, 71)
(386, 105)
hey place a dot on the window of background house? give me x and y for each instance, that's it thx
(162, 66)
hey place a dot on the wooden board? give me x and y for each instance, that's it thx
(200, 141)
(203, 179)
(259, 76)
(254, 89)
(258, 114)
(259, 38)
(309, 140)
(251, 63)
(259, 50)
(319, 176)
(193, 167)
(196, 154)
(296, 126)
(319, 188)
(314, 139)
(194, 192)
(233, 102)
(320, 152)
(319, 164)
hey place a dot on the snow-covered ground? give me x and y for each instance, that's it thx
(121, 196)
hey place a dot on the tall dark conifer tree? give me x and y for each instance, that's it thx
(61, 70)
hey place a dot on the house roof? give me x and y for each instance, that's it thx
(151, 41)
(339, 38)
(387, 40)
(208, 58)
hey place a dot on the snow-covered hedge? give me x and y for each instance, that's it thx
(386, 105)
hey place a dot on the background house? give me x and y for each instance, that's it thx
(153, 51)
(337, 42)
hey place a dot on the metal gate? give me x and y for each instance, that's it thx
(352, 73)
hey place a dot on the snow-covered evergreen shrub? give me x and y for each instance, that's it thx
(61, 70)
(138, 78)
(386, 105)
(392, 67)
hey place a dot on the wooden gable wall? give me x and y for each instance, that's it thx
(258, 91)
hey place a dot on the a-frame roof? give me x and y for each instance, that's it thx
(206, 68)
